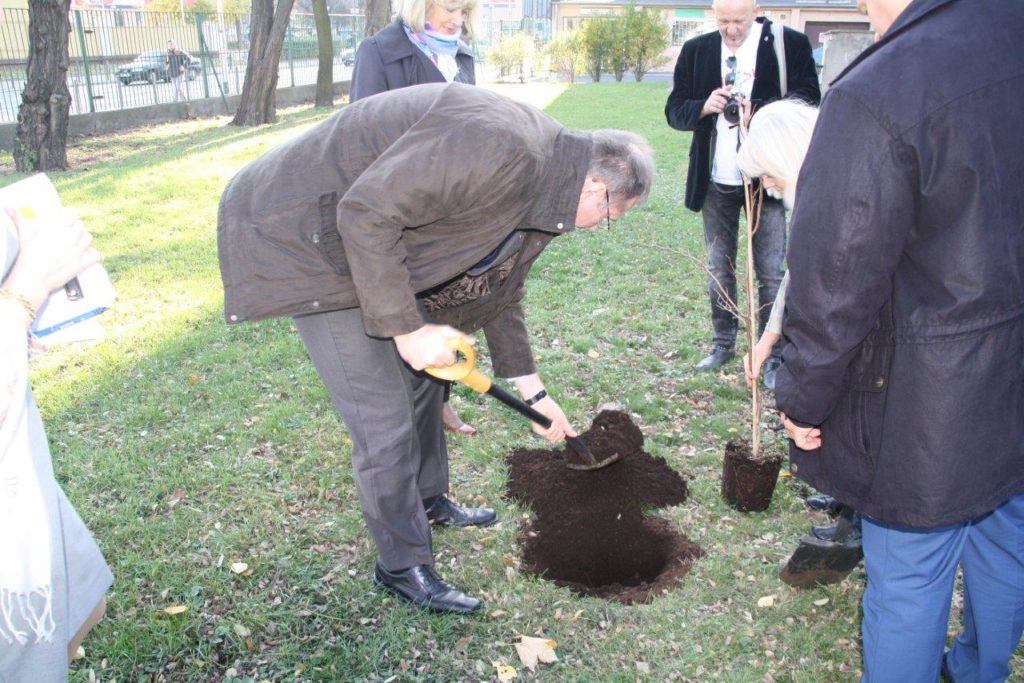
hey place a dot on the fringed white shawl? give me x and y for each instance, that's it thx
(26, 604)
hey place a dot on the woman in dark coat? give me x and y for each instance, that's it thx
(424, 44)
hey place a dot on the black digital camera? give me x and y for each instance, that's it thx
(733, 108)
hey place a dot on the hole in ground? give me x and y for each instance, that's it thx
(590, 533)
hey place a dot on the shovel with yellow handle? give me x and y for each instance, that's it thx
(464, 372)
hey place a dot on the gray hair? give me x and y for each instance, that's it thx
(414, 13)
(624, 162)
(777, 142)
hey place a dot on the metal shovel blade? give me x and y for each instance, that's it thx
(580, 448)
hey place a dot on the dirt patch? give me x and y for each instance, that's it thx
(590, 532)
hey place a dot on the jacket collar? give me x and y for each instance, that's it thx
(555, 210)
(395, 45)
(915, 12)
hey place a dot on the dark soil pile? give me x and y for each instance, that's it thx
(748, 483)
(590, 533)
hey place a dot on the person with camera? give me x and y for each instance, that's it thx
(720, 76)
(53, 578)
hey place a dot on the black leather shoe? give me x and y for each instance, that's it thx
(422, 586)
(822, 503)
(771, 366)
(846, 529)
(719, 357)
(443, 512)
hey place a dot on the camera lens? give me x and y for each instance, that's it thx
(732, 110)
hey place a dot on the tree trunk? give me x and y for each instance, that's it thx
(378, 15)
(325, 45)
(41, 141)
(258, 104)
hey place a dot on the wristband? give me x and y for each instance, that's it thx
(21, 301)
(537, 397)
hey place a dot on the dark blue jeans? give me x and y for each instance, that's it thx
(721, 214)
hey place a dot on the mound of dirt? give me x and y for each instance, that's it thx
(590, 532)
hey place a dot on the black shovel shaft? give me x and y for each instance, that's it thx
(519, 405)
(575, 443)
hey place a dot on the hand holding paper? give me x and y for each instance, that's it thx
(53, 254)
(54, 248)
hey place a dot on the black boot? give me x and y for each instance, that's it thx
(720, 355)
(846, 528)
(822, 503)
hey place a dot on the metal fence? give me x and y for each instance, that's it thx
(117, 56)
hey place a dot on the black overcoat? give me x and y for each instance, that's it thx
(905, 311)
(698, 72)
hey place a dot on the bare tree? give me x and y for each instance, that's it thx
(41, 141)
(325, 54)
(378, 15)
(258, 104)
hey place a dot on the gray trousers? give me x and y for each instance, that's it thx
(393, 414)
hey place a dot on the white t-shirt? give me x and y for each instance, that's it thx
(724, 170)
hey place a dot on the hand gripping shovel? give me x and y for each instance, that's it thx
(463, 371)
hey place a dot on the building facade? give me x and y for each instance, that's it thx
(688, 18)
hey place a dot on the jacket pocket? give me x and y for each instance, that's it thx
(858, 420)
(328, 239)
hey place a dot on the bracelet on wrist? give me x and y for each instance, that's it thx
(537, 397)
(25, 304)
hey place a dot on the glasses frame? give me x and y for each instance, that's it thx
(607, 209)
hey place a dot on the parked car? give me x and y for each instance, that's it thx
(150, 67)
(348, 56)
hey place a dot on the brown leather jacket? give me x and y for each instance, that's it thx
(397, 195)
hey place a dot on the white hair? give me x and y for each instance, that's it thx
(777, 142)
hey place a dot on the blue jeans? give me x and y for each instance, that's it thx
(721, 214)
(911, 574)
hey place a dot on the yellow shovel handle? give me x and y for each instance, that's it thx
(463, 371)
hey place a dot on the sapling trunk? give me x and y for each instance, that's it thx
(753, 221)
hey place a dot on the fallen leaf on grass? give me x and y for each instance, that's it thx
(176, 609)
(505, 672)
(643, 667)
(766, 601)
(242, 631)
(532, 650)
(177, 496)
(461, 644)
(240, 568)
(822, 602)
(593, 354)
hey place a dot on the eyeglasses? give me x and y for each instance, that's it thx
(607, 209)
(730, 63)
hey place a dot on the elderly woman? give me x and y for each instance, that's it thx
(773, 151)
(424, 44)
(52, 576)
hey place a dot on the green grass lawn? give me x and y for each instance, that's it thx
(189, 446)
